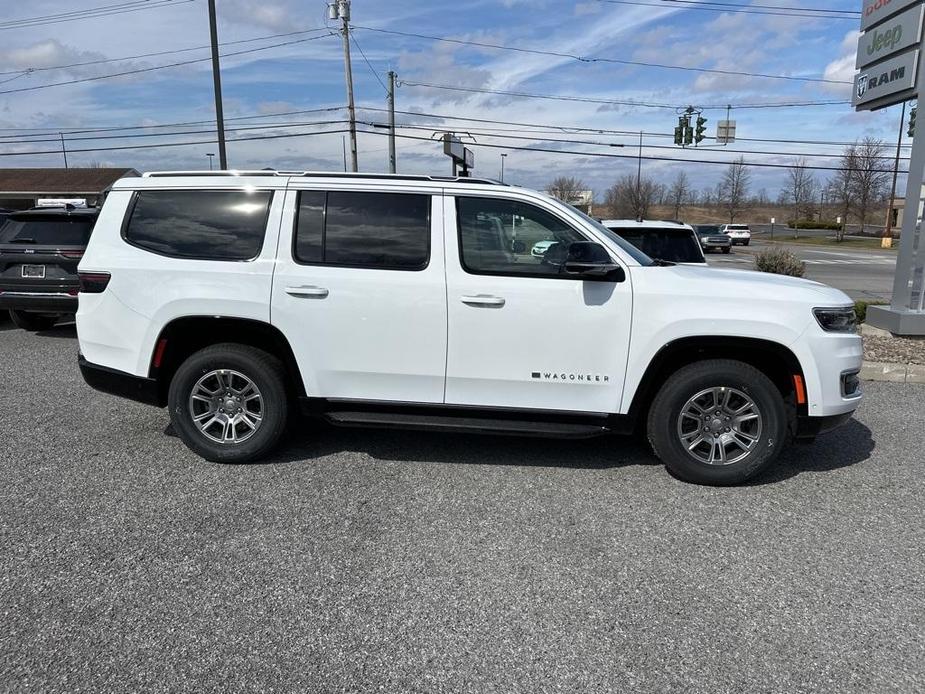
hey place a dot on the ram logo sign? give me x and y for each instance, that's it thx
(885, 79)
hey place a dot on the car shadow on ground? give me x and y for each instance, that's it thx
(846, 446)
(61, 330)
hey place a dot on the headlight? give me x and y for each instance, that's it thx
(837, 320)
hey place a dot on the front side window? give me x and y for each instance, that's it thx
(389, 231)
(201, 224)
(508, 237)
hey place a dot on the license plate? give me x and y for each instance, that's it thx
(34, 271)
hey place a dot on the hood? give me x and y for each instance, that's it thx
(751, 283)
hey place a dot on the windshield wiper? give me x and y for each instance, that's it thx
(24, 240)
(662, 263)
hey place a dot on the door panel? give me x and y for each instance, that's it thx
(531, 338)
(363, 332)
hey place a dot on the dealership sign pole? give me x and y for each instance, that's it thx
(890, 71)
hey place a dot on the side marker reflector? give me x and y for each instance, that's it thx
(800, 389)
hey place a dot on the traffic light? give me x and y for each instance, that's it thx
(700, 130)
(679, 131)
(911, 131)
(688, 132)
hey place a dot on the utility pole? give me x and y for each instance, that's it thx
(63, 149)
(217, 81)
(887, 240)
(392, 162)
(340, 9)
(639, 167)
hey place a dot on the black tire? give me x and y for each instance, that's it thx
(263, 370)
(664, 430)
(33, 322)
(745, 243)
(726, 250)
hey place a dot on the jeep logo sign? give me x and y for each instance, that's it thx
(885, 78)
(875, 11)
(894, 35)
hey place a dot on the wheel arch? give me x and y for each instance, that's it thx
(183, 336)
(773, 359)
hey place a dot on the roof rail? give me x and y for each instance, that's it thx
(325, 174)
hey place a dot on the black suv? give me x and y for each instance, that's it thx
(39, 252)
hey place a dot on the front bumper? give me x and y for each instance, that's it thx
(40, 302)
(113, 382)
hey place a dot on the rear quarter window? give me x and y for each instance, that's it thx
(199, 224)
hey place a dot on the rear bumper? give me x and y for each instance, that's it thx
(42, 302)
(810, 427)
(105, 380)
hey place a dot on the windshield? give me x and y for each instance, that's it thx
(665, 243)
(634, 252)
(737, 227)
(705, 230)
(47, 231)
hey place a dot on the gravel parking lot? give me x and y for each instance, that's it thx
(392, 561)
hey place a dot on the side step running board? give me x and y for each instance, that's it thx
(472, 425)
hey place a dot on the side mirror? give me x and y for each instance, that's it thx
(591, 261)
(518, 246)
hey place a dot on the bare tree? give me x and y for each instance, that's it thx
(678, 193)
(566, 188)
(869, 177)
(840, 187)
(733, 189)
(628, 200)
(800, 190)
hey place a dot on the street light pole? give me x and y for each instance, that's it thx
(503, 157)
(210, 155)
(217, 82)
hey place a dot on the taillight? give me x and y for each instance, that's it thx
(93, 282)
(72, 254)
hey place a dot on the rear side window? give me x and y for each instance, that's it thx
(48, 231)
(389, 231)
(208, 225)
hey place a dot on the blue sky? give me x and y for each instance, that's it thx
(309, 75)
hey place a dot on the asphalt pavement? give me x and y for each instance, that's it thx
(862, 274)
(392, 561)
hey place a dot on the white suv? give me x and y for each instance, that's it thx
(410, 301)
(739, 233)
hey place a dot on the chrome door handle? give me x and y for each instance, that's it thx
(310, 292)
(483, 300)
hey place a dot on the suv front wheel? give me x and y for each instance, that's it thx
(228, 403)
(717, 422)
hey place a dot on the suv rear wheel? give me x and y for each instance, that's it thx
(28, 320)
(717, 422)
(228, 403)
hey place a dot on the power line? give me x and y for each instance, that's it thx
(75, 15)
(822, 10)
(584, 59)
(368, 64)
(505, 134)
(159, 67)
(156, 53)
(62, 130)
(174, 144)
(634, 157)
(611, 102)
(803, 14)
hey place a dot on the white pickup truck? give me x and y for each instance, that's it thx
(236, 298)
